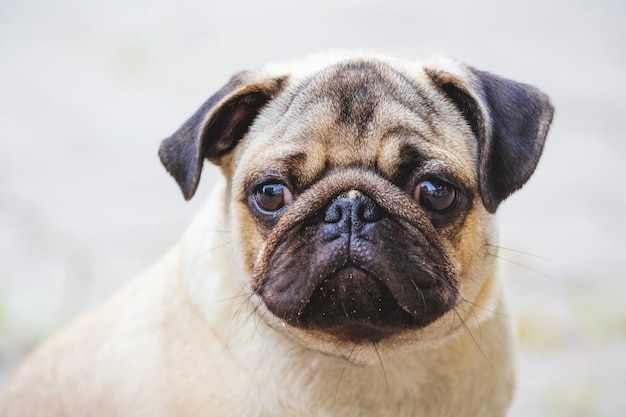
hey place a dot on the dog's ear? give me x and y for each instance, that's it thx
(510, 121)
(216, 128)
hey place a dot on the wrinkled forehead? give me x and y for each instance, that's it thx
(360, 113)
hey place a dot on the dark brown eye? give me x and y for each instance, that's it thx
(435, 195)
(272, 197)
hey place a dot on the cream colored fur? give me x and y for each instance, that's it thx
(182, 340)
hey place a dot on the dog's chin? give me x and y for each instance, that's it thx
(354, 306)
(363, 344)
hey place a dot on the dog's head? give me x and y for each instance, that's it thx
(362, 190)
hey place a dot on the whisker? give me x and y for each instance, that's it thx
(453, 326)
(234, 315)
(200, 254)
(489, 310)
(246, 303)
(471, 313)
(382, 367)
(476, 342)
(343, 307)
(343, 370)
(538, 272)
(532, 255)
(234, 324)
(420, 293)
(241, 294)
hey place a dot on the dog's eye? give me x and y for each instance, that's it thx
(435, 195)
(272, 197)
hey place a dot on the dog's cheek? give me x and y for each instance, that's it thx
(249, 242)
(473, 254)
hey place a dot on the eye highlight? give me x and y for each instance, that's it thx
(436, 195)
(272, 197)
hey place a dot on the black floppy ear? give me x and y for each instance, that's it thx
(510, 121)
(216, 128)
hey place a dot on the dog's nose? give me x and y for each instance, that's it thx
(351, 210)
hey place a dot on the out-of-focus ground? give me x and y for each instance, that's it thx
(88, 89)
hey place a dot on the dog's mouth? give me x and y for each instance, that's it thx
(356, 305)
(357, 300)
(353, 304)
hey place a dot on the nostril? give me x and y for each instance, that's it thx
(334, 213)
(368, 211)
(353, 210)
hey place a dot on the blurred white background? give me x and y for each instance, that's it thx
(88, 89)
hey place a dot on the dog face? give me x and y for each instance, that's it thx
(362, 192)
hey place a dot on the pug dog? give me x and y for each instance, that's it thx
(344, 264)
